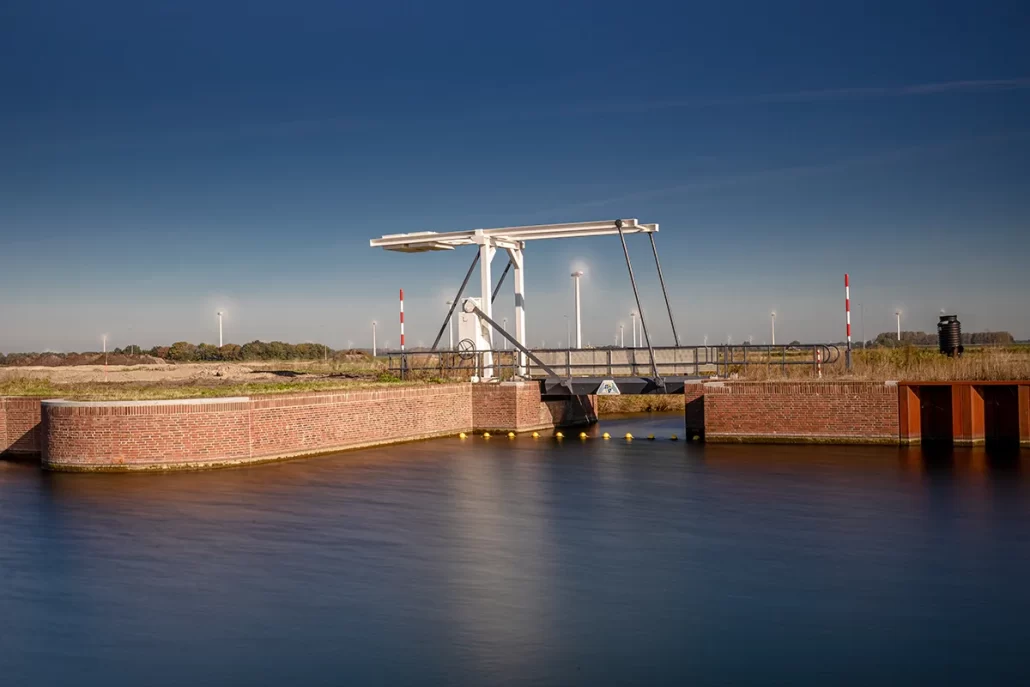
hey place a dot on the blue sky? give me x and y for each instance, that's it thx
(162, 160)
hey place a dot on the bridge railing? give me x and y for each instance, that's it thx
(697, 361)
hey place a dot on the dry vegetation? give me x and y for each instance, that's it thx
(908, 364)
(196, 380)
(199, 380)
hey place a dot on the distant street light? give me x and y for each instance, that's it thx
(450, 326)
(373, 338)
(772, 319)
(622, 335)
(861, 323)
(898, 313)
(634, 316)
(504, 326)
(568, 332)
(579, 321)
(220, 329)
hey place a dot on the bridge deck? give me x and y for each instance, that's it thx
(588, 386)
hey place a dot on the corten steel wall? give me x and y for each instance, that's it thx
(19, 426)
(965, 412)
(201, 433)
(820, 412)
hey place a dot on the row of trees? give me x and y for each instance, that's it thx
(890, 339)
(184, 351)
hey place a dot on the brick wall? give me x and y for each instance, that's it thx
(90, 436)
(847, 412)
(311, 423)
(213, 432)
(19, 426)
(517, 407)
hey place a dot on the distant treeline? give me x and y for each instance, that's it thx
(890, 339)
(183, 352)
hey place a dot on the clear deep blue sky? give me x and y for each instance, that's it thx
(161, 160)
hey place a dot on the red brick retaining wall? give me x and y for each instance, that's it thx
(495, 405)
(19, 426)
(227, 431)
(845, 412)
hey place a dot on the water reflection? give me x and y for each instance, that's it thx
(505, 562)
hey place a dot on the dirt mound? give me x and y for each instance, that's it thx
(223, 371)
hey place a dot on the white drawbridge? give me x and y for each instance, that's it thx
(513, 240)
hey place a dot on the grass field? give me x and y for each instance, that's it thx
(908, 364)
(205, 380)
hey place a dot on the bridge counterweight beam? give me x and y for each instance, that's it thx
(517, 260)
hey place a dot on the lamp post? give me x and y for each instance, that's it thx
(568, 332)
(772, 320)
(450, 326)
(219, 328)
(504, 326)
(579, 322)
(634, 324)
(622, 335)
(861, 324)
(898, 313)
(373, 338)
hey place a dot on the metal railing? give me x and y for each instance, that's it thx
(697, 361)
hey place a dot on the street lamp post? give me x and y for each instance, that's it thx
(622, 335)
(373, 338)
(568, 332)
(634, 324)
(579, 321)
(898, 313)
(861, 324)
(504, 326)
(450, 327)
(772, 319)
(219, 328)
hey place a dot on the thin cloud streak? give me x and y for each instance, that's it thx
(809, 96)
(793, 171)
(359, 121)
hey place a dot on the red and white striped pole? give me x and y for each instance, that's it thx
(847, 311)
(402, 320)
(404, 361)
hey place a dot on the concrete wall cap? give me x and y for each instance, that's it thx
(61, 403)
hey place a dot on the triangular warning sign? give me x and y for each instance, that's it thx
(608, 388)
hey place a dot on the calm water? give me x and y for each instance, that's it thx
(515, 562)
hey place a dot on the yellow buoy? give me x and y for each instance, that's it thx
(511, 435)
(697, 438)
(486, 435)
(462, 435)
(536, 435)
(606, 435)
(559, 435)
(650, 437)
(582, 435)
(628, 435)
(674, 437)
